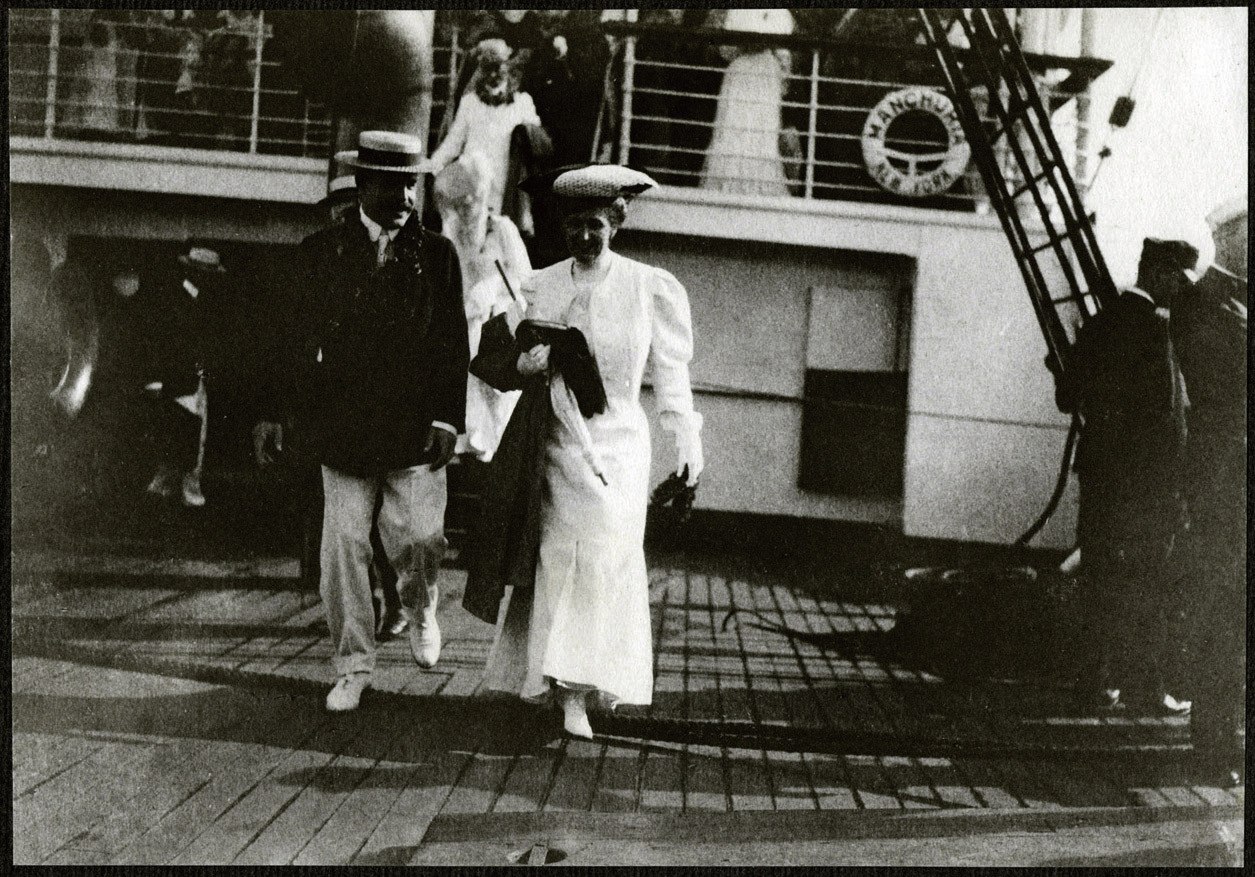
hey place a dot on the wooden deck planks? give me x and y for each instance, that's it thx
(265, 776)
(51, 815)
(40, 757)
(274, 790)
(241, 766)
(618, 787)
(530, 780)
(399, 832)
(576, 778)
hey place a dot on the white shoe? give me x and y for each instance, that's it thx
(424, 639)
(575, 715)
(347, 692)
(192, 497)
(162, 485)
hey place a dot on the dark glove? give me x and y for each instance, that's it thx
(676, 492)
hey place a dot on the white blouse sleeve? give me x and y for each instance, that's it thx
(517, 262)
(455, 141)
(527, 109)
(670, 350)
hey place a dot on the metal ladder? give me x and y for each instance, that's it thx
(992, 68)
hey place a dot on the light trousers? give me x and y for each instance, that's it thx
(411, 529)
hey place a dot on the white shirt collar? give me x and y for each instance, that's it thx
(191, 288)
(1135, 290)
(374, 229)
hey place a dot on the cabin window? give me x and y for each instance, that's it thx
(855, 390)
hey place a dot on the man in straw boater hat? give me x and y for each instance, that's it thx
(187, 306)
(377, 362)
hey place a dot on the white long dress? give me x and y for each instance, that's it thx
(744, 152)
(485, 296)
(94, 90)
(485, 129)
(587, 624)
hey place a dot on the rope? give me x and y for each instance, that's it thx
(1061, 483)
(1137, 73)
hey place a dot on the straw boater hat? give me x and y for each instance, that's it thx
(203, 258)
(385, 151)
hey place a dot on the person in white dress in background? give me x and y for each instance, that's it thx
(486, 117)
(494, 265)
(585, 631)
(744, 153)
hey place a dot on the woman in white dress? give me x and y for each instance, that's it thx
(93, 103)
(492, 254)
(744, 152)
(586, 629)
(487, 115)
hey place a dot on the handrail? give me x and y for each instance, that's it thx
(1082, 70)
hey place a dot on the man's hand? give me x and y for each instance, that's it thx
(267, 435)
(442, 442)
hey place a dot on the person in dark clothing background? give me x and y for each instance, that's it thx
(565, 71)
(1123, 378)
(187, 312)
(379, 352)
(1209, 332)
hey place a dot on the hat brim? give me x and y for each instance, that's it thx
(350, 159)
(192, 263)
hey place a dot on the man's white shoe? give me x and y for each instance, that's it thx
(347, 693)
(425, 639)
(192, 497)
(162, 484)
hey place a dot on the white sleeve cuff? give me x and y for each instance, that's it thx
(687, 423)
(442, 425)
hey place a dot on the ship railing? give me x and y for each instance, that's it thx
(784, 116)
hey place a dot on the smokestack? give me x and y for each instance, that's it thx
(373, 69)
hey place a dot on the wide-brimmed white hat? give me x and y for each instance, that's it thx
(602, 181)
(385, 151)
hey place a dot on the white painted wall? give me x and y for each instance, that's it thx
(749, 303)
(984, 438)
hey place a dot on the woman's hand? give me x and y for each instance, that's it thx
(689, 458)
(534, 361)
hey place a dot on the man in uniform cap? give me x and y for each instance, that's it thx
(379, 353)
(1123, 378)
(1210, 334)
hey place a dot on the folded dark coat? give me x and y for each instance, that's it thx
(505, 542)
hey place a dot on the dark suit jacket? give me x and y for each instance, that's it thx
(184, 333)
(1209, 334)
(373, 356)
(1123, 375)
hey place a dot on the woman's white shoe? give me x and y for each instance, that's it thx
(575, 715)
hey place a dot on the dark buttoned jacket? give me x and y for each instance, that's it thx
(1124, 377)
(184, 331)
(374, 355)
